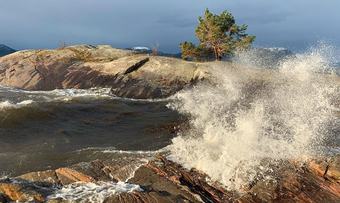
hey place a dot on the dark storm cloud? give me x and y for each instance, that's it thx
(123, 23)
(177, 21)
(268, 18)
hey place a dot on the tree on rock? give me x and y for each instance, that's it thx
(219, 35)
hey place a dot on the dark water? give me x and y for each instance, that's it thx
(42, 130)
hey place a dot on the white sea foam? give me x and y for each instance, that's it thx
(21, 98)
(238, 122)
(113, 150)
(18, 98)
(92, 192)
(11, 105)
(132, 152)
(67, 94)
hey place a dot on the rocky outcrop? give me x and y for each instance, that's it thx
(84, 66)
(127, 73)
(162, 180)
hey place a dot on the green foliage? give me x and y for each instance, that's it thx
(219, 35)
(189, 51)
(192, 52)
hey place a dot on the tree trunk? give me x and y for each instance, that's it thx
(216, 54)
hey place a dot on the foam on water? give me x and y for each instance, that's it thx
(239, 121)
(92, 192)
(116, 151)
(8, 105)
(12, 98)
(17, 98)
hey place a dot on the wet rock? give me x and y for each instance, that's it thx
(23, 191)
(67, 176)
(294, 182)
(327, 168)
(156, 185)
(193, 181)
(97, 170)
(3, 198)
(162, 180)
(147, 197)
(82, 172)
(48, 176)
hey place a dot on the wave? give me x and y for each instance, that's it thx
(17, 98)
(13, 98)
(246, 119)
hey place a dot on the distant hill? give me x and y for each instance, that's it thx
(5, 50)
(147, 50)
(178, 55)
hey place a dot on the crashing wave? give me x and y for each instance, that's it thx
(263, 57)
(240, 121)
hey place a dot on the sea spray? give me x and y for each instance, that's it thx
(243, 118)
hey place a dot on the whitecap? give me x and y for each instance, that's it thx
(11, 105)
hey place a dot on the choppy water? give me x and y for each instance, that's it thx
(49, 129)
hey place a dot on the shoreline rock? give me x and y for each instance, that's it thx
(163, 180)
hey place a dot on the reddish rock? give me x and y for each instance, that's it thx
(23, 191)
(48, 176)
(97, 170)
(67, 176)
(165, 181)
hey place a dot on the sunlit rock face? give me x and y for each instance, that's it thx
(129, 74)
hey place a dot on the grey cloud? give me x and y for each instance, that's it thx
(266, 18)
(124, 23)
(177, 21)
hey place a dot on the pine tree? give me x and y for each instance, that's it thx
(218, 35)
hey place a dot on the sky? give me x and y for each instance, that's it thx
(294, 24)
